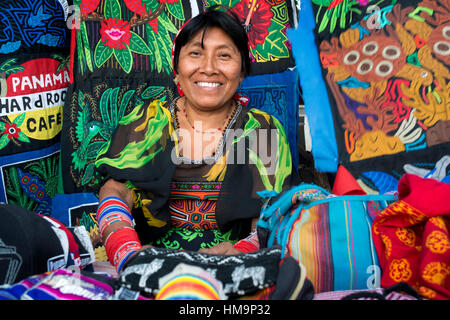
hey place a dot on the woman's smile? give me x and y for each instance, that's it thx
(208, 84)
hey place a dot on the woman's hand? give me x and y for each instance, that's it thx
(141, 249)
(222, 248)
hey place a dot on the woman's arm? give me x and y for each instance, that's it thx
(116, 223)
(116, 189)
(113, 188)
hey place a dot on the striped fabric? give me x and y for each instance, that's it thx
(61, 284)
(333, 240)
(188, 282)
(188, 287)
(330, 235)
(336, 249)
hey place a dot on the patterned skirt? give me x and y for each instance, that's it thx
(192, 207)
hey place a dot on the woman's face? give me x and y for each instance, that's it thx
(209, 76)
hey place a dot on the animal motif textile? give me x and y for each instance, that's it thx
(239, 274)
(122, 59)
(383, 67)
(187, 282)
(34, 76)
(412, 239)
(330, 235)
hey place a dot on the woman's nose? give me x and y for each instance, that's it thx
(209, 65)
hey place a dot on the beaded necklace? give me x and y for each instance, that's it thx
(227, 121)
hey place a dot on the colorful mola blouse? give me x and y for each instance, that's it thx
(187, 204)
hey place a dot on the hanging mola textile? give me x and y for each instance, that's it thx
(34, 76)
(381, 107)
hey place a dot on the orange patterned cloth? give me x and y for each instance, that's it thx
(412, 239)
(192, 205)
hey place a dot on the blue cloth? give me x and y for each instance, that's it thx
(68, 207)
(278, 95)
(315, 96)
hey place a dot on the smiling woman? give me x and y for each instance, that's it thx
(209, 65)
(209, 71)
(194, 174)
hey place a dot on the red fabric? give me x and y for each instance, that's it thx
(412, 239)
(426, 195)
(245, 246)
(249, 244)
(346, 184)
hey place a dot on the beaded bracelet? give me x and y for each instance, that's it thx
(120, 244)
(112, 219)
(105, 213)
(110, 210)
(124, 253)
(105, 243)
(112, 204)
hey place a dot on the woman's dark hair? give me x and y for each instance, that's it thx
(214, 18)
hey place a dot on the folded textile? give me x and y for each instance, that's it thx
(411, 237)
(61, 284)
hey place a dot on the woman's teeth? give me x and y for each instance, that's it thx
(208, 84)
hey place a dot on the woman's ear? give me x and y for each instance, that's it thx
(176, 81)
